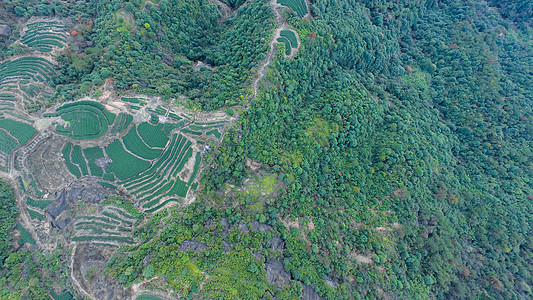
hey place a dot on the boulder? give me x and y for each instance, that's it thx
(5, 30)
(192, 246)
(276, 273)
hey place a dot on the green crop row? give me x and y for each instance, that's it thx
(109, 116)
(9, 97)
(95, 230)
(78, 159)
(163, 204)
(25, 236)
(135, 144)
(127, 240)
(22, 131)
(153, 135)
(7, 142)
(168, 127)
(96, 223)
(186, 130)
(214, 132)
(174, 168)
(116, 217)
(91, 154)
(20, 116)
(66, 157)
(124, 165)
(285, 41)
(86, 122)
(197, 160)
(103, 219)
(41, 204)
(35, 215)
(147, 297)
(123, 213)
(163, 160)
(291, 36)
(298, 6)
(105, 244)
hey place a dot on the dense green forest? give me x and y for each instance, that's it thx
(399, 139)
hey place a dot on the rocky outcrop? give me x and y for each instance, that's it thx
(83, 190)
(5, 30)
(192, 246)
(276, 273)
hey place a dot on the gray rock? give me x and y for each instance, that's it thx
(82, 190)
(146, 259)
(225, 228)
(208, 223)
(227, 247)
(277, 244)
(192, 246)
(257, 226)
(309, 293)
(257, 256)
(242, 227)
(103, 162)
(5, 30)
(276, 273)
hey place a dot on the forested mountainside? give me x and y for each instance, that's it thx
(377, 149)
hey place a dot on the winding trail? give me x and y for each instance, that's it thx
(282, 25)
(261, 72)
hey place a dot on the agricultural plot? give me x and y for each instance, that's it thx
(121, 123)
(287, 44)
(152, 135)
(44, 36)
(91, 154)
(21, 131)
(298, 6)
(124, 165)
(40, 204)
(25, 236)
(137, 146)
(112, 225)
(7, 144)
(26, 76)
(162, 180)
(141, 101)
(35, 215)
(288, 38)
(65, 296)
(84, 120)
(74, 169)
(78, 159)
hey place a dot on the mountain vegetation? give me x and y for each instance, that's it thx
(395, 148)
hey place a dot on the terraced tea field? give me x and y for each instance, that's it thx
(44, 36)
(70, 161)
(298, 6)
(289, 39)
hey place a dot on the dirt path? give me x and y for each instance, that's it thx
(73, 279)
(282, 25)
